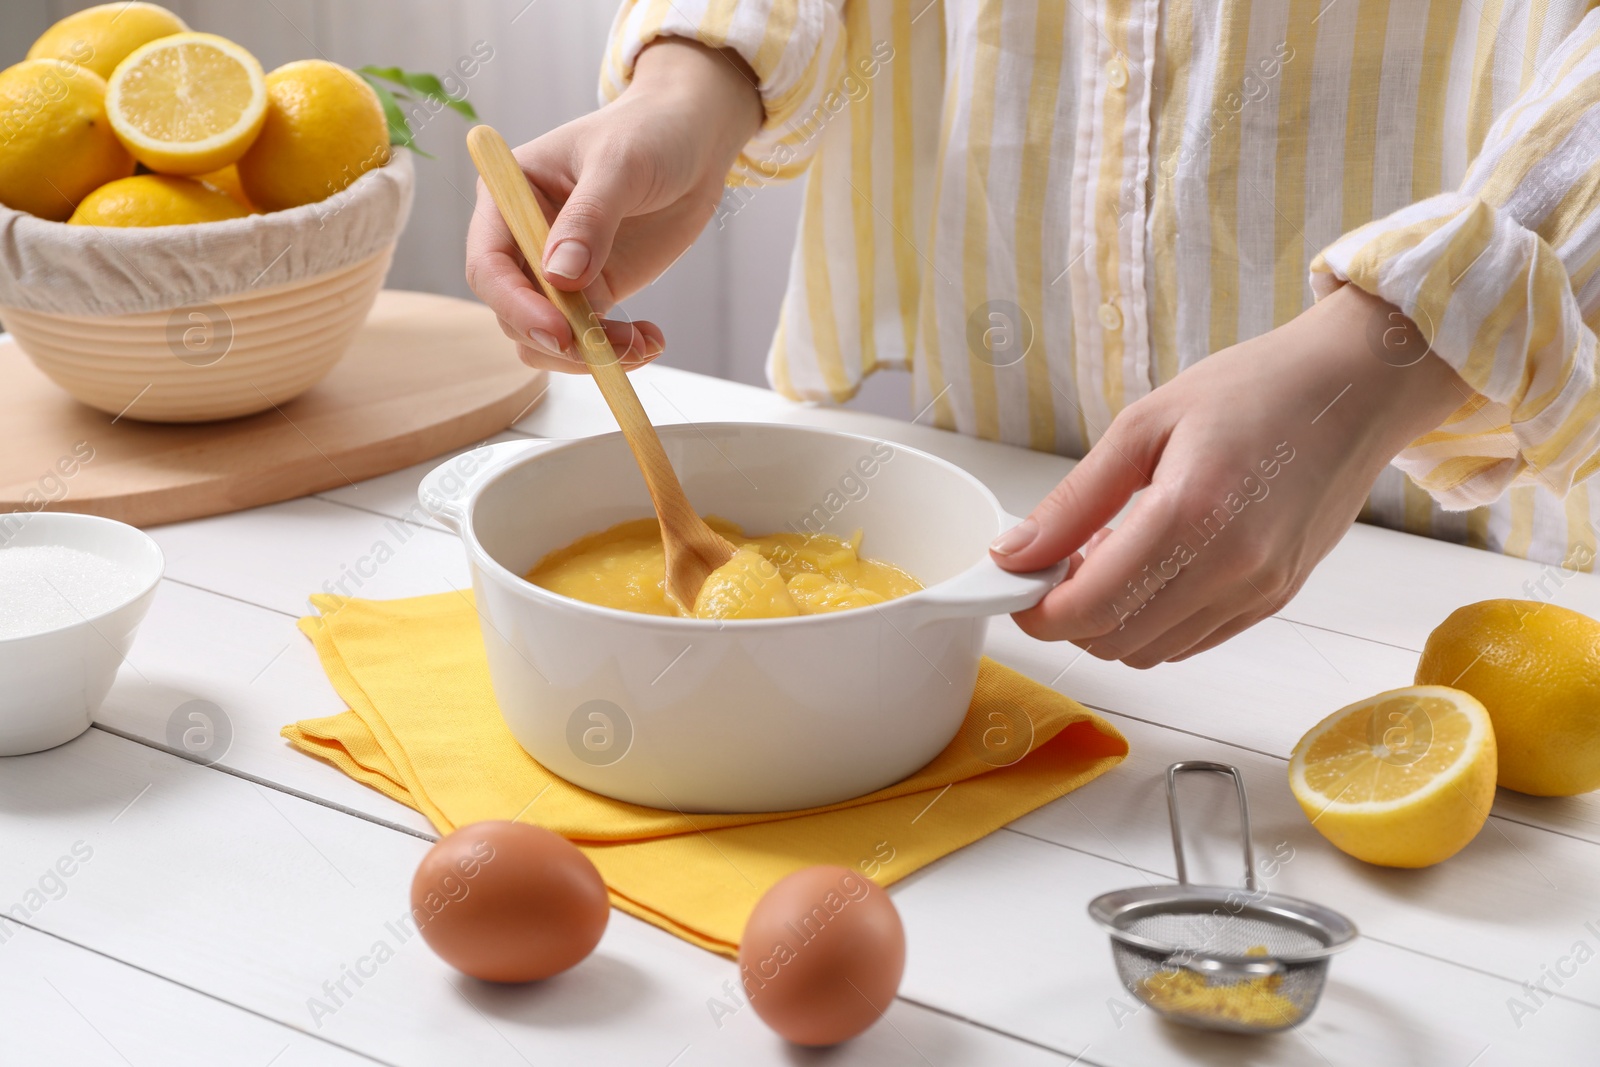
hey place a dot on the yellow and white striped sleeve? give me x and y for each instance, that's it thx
(795, 48)
(1501, 275)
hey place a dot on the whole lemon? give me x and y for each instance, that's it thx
(56, 144)
(325, 128)
(1536, 667)
(155, 200)
(227, 181)
(101, 37)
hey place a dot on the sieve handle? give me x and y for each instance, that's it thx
(1244, 816)
(1211, 967)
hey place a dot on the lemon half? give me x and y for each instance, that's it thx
(1401, 779)
(188, 103)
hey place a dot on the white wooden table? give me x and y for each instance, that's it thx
(218, 901)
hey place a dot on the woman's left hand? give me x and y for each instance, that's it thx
(1253, 463)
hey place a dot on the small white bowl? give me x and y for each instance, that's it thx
(52, 682)
(737, 715)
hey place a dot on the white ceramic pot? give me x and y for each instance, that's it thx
(752, 715)
(52, 682)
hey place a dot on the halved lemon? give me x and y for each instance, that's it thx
(188, 103)
(1401, 779)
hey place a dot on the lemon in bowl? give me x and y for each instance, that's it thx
(155, 200)
(56, 144)
(227, 180)
(1402, 779)
(100, 37)
(324, 128)
(1536, 668)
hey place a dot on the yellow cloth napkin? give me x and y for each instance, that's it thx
(423, 728)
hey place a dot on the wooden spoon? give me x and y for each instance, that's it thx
(693, 549)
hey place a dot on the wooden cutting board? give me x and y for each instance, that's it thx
(426, 374)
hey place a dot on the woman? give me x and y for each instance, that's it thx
(1204, 244)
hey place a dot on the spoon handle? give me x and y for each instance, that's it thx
(512, 194)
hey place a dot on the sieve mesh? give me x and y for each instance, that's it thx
(1246, 1003)
(1210, 933)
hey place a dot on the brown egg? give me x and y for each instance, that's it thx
(822, 955)
(509, 902)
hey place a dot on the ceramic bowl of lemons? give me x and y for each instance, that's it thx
(188, 237)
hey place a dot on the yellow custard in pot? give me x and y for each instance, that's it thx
(768, 577)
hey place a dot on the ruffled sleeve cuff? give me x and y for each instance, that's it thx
(1496, 303)
(795, 48)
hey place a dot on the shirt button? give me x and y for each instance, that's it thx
(1110, 317)
(1117, 73)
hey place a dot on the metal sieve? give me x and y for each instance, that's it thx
(1218, 957)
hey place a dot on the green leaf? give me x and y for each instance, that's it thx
(399, 128)
(427, 84)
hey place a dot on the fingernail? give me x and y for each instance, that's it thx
(652, 347)
(1015, 539)
(545, 341)
(568, 260)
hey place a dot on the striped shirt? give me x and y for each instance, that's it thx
(1045, 209)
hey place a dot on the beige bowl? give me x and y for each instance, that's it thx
(235, 356)
(210, 321)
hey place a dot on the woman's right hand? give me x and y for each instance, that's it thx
(633, 183)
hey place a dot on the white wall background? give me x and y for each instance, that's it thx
(717, 305)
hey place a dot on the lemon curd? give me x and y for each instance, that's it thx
(769, 577)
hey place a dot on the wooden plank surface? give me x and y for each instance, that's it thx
(271, 902)
(88, 1010)
(256, 879)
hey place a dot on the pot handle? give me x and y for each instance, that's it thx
(446, 490)
(986, 589)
